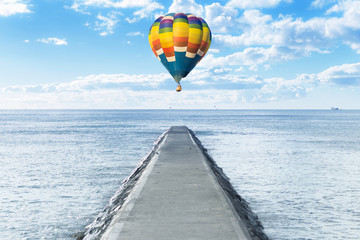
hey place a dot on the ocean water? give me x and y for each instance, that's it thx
(298, 169)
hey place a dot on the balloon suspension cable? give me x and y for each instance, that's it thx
(177, 79)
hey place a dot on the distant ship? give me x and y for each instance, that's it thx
(335, 108)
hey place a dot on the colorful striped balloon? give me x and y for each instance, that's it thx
(179, 41)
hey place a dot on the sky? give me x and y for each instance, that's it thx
(94, 54)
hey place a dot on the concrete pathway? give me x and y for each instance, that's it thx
(177, 198)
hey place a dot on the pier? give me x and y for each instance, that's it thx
(181, 194)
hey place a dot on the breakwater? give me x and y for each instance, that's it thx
(176, 192)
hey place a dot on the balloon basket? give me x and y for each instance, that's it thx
(178, 88)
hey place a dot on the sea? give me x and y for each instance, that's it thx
(299, 170)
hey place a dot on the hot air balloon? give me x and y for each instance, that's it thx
(179, 41)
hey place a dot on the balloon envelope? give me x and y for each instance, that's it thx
(179, 41)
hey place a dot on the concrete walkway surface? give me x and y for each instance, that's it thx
(176, 198)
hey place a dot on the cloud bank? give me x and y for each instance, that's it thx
(209, 87)
(261, 39)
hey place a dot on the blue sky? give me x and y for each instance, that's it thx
(95, 54)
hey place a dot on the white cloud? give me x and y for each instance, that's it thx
(129, 3)
(187, 6)
(122, 99)
(134, 34)
(354, 45)
(94, 82)
(214, 50)
(82, 4)
(11, 7)
(346, 28)
(223, 78)
(244, 4)
(113, 81)
(253, 18)
(53, 41)
(343, 75)
(280, 88)
(344, 6)
(106, 24)
(346, 75)
(145, 12)
(351, 13)
(259, 29)
(222, 70)
(252, 57)
(221, 19)
(322, 3)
